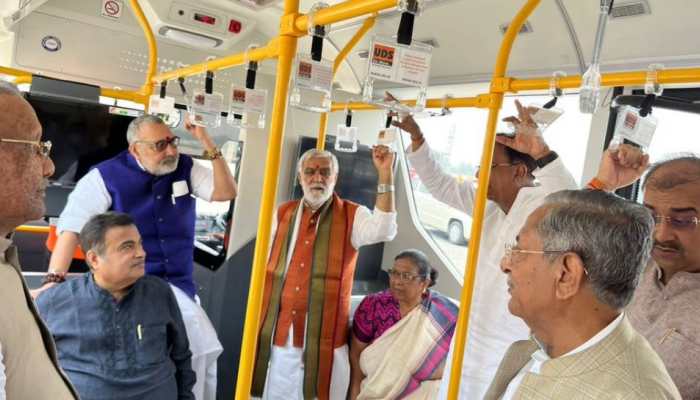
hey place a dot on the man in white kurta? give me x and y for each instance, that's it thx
(523, 172)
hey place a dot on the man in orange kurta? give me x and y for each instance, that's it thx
(302, 350)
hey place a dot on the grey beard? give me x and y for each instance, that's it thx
(165, 168)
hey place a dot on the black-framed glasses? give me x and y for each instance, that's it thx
(161, 145)
(403, 276)
(42, 148)
(679, 223)
(324, 172)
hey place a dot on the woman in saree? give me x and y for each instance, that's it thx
(401, 336)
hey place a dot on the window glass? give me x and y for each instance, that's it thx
(213, 216)
(457, 141)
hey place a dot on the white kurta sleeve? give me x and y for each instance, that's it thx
(554, 177)
(90, 197)
(372, 227)
(202, 180)
(442, 186)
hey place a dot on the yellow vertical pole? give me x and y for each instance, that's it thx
(287, 50)
(147, 88)
(322, 126)
(497, 90)
(366, 26)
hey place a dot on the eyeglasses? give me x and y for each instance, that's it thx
(161, 145)
(402, 276)
(324, 172)
(510, 249)
(42, 148)
(496, 165)
(679, 223)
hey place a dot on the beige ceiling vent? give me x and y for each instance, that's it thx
(363, 53)
(630, 9)
(526, 28)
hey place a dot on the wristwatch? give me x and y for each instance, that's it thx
(546, 160)
(212, 154)
(384, 188)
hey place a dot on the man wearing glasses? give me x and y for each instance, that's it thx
(665, 306)
(153, 183)
(523, 172)
(28, 365)
(571, 272)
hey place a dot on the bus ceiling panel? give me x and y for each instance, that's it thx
(640, 32)
(55, 46)
(468, 35)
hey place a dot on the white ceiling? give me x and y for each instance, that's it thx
(469, 37)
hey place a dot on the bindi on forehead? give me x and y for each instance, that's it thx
(317, 163)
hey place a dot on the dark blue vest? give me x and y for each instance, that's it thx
(167, 229)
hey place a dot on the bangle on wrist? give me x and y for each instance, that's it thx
(385, 188)
(54, 277)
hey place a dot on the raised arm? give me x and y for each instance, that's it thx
(619, 167)
(378, 225)
(225, 187)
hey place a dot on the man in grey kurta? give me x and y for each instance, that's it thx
(119, 333)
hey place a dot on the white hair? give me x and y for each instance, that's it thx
(316, 153)
(134, 126)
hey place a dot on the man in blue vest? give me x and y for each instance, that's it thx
(154, 184)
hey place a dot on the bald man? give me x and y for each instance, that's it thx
(28, 365)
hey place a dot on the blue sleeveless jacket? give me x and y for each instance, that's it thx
(166, 223)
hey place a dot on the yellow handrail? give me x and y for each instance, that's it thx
(460, 335)
(343, 11)
(32, 229)
(258, 54)
(15, 72)
(147, 88)
(287, 51)
(366, 26)
(481, 101)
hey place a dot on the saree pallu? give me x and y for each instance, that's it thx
(407, 361)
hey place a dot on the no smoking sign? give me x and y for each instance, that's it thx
(112, 8)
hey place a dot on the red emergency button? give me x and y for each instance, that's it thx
(234, 26)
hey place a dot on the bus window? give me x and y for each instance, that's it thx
(674, 134)
(457, 139)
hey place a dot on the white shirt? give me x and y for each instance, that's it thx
(3, 379)
(90, 196)
(539, 357)
(491, 326)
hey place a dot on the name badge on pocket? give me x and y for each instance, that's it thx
(180, 188)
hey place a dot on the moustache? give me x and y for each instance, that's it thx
(168, 160)
(669, 245)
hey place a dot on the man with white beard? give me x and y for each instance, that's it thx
(153, 183)
(302, 347)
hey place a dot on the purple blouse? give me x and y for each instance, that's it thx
(375, 314)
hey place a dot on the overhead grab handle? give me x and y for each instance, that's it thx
(163, 89)
(348, 117)
(652, 89)
(409, 8)
(589, 97)
(317, 32)
(555, 89)
(252, 70)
